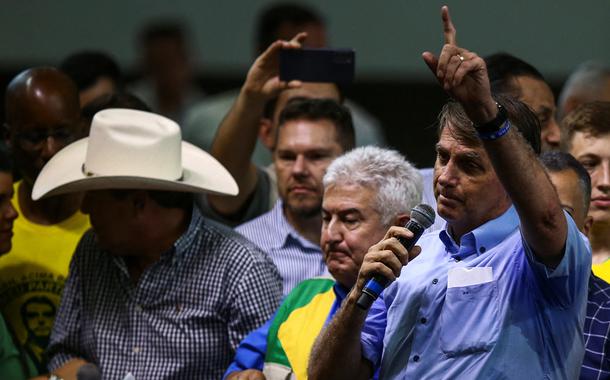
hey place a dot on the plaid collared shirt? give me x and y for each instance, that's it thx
(183, 319)
(596, 364)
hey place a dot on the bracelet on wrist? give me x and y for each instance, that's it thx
(496, 123)
(494, 135)
(495, 128)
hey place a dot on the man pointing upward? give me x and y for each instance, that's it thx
(500, 293)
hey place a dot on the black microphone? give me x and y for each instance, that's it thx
(422, 217)
(88, 372)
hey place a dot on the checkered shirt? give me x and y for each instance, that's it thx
(596, 364)
(183, 319)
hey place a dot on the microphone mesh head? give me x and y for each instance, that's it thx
(423, 214)
(88, 372)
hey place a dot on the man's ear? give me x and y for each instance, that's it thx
(402, 220)
(266, 133)
(586, 227)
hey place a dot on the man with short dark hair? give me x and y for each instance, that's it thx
(511, 76)
(95, 74)
(486, 297)
(586, 136)
(283, 20)
(514, 77)
(311, 134)
(255, 113)
(42, 116)
(166, 61)
(573, 186)
(154, 290)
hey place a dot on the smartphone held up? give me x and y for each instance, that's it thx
(317, 65)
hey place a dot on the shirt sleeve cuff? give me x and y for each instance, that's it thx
(371, 337)
(59, 360)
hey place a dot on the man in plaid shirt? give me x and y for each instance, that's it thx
(154, 291)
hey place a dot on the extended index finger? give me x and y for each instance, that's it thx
(448, 28)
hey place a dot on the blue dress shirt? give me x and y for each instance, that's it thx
(524, 322)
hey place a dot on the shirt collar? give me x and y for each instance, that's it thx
(340, 291)
(482, 238)
(183, 243)
(286, 234)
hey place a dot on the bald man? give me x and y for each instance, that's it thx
(42, 116)
(589, 82)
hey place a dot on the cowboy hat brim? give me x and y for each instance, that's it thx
(64, 173)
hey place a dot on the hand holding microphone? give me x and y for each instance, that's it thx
(386, 258)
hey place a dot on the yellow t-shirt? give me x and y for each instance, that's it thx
(32, 277)
(602, 270)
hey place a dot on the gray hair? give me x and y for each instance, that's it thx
(399, 185)
(589, 79)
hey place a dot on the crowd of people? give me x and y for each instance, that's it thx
(154, 232)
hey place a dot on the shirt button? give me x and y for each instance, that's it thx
(136, 350)
(423, 320)
(416, 358)
(435, 281)
(482, 249)
(138, 308)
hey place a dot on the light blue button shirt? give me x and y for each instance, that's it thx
(526, 323)
(295, 257)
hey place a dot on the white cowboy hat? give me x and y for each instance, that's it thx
(129, 149)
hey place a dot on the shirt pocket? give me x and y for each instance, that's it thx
(469, 320)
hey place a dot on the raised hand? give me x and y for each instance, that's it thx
(263, 79)
(462, 74)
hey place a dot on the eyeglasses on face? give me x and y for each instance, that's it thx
(35, 138)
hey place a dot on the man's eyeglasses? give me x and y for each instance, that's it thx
(34, 139)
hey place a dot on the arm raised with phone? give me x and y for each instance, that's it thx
(236, 136)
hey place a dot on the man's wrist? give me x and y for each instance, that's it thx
(494, 124)
(484, 113)
(353, 295)
(251, 102)
(253, 96)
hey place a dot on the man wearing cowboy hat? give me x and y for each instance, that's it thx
(154, 290)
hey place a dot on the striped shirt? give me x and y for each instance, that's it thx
(296, 258)
(182, 320)
(596, 364)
